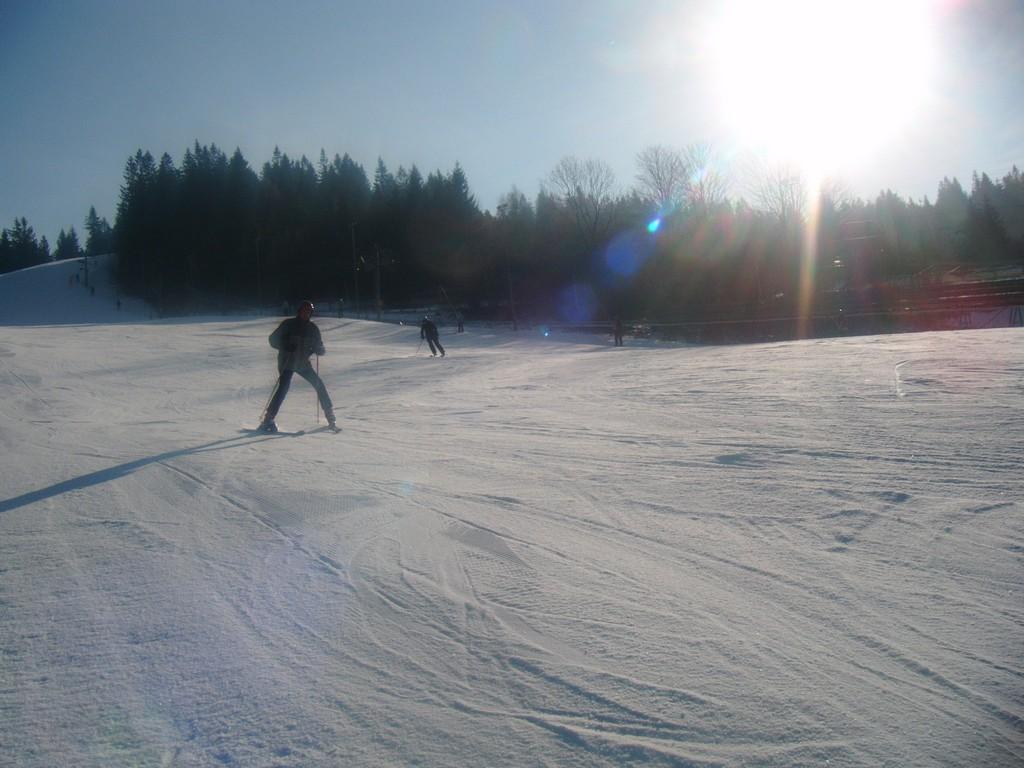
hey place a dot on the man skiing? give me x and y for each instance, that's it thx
(428, 331)
(295, 340)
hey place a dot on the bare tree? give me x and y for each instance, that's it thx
(835, 193)
(781, 191)
(707, 183)
(670, 178)
(585, 188)
(663, 177)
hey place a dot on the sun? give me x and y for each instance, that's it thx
(820, 84)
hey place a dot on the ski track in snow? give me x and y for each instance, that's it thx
(534, 552)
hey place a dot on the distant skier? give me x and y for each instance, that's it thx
(460, 321)
(295, 339)
(618, 331)
(428, 331)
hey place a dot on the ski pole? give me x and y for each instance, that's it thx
(419, 347)
(315, 393)
(273, 391)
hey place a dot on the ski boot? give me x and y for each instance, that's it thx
(332, 423)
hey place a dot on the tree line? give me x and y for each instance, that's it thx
(19, 246)
(671, 246)
(214, 230)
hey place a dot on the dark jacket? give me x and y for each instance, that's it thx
(428, 330)
(295, 340)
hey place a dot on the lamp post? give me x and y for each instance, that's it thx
(355, 270)
(377, 282)
(259, 287)
(502, 213)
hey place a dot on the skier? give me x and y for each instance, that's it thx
(618, 331)
(295, 339)
(428, 331)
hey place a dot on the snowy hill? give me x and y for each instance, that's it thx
(57, 293)
(532, 552)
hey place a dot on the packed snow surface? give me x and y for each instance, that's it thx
(534, 552)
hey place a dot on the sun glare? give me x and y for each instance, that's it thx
(819, 83)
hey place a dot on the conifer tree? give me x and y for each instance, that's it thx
(19, 247)
(67, 246)
(100, 237)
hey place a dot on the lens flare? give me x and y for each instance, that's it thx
(627, 252)
(578, 303)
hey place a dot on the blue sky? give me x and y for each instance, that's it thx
(505, 89)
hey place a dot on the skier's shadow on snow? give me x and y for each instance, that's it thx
(121, 470)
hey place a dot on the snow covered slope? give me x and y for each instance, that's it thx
(532, 552)
(56, 293)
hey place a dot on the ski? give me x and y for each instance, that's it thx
(278, 433)
(286, 433)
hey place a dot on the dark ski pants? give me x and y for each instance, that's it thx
(284, 381)
(435, 345)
